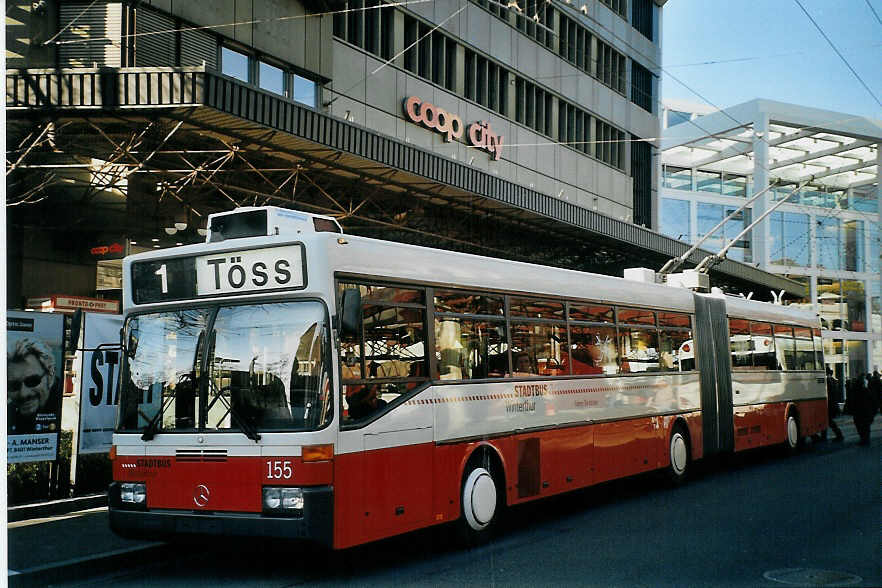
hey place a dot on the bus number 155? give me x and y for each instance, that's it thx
(279, 470)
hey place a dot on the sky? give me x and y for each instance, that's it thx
(770, 49)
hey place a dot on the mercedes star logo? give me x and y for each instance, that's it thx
(200, 495)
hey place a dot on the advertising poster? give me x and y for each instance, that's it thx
(99, 381)
(34, 379)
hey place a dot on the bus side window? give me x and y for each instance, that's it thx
(741, 344)
(765, 354)
(470, 349)
(387, 357)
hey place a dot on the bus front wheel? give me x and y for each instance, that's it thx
(481, 505)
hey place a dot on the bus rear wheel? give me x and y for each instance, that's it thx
(481, 504)
(680, 455)
(793, 438)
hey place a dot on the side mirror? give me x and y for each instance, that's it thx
(350, 312)
(130, 346)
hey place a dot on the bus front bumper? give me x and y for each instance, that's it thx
(316, 525)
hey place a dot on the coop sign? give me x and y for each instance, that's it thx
(480, 135)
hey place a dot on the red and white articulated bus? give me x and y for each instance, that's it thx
(287, 380)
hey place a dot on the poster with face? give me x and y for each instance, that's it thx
(34, 379)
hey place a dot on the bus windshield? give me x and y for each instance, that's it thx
(258, 367)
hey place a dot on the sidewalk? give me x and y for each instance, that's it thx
(67, 539)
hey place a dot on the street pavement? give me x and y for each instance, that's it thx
(63, 547)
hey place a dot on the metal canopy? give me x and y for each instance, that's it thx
(832, 151)
(145, 146)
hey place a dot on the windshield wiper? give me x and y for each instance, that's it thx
(149, 432)
(248, 429)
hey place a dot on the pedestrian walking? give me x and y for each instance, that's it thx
(834, 397)
(876, 387)
(863, 408)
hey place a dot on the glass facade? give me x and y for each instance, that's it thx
(854, 245)
(674, 218)
(734, 185)
(789, 239)
(876, 359)
(874, 254)
(678, 178)
(875, 289)
(857, 359)
(706, 181)
(829, 243)
(709, 215)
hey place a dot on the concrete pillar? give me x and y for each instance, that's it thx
(760, 233)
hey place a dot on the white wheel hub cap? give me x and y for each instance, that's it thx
(792, 432)
(479, 499)
(678, 454)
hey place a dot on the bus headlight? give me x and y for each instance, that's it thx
(133, 493)
(282, 500)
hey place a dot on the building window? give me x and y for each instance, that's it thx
(610, 67)
(271, 78)
(534, 107)
(430, 56)
(642, 13)
(641, 172)
(235, 64)
(536, 21)
(495, 8)
(677, 178)
(304, 91)
(673, 218)
(641, 87)
(609, 144)
(789, 239)
(367, 25)
(575, 44)
(486, 82)
(574, 127)
(617, 6)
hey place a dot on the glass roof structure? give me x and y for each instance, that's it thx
(832, 151)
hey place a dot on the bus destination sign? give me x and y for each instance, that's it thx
(230, 272)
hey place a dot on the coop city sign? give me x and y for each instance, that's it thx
(480, 134)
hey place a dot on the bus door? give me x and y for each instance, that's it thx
(715, 372)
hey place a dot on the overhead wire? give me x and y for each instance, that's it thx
(873, 10)
(839, 53)
(224, 25)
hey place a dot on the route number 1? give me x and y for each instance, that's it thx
(162, 272)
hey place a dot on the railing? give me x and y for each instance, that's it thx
(104, 88)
